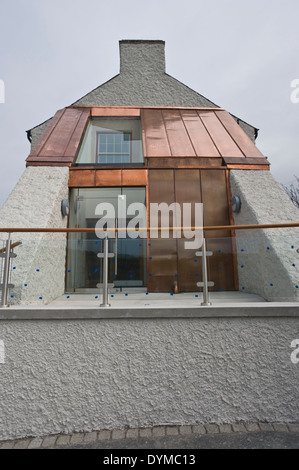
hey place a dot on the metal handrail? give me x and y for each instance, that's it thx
(116, 229)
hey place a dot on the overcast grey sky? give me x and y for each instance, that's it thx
(241, 55)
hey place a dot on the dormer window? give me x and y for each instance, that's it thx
(111, 142)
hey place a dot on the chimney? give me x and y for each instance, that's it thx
(142, 56)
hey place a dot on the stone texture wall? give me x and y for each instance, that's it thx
(268, 261)
(65, 376)
(38, 272)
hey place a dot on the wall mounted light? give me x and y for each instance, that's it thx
(236, 204)
(65, 207)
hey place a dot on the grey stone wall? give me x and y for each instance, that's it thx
(38, 272)
(66, 376)
(268, 261)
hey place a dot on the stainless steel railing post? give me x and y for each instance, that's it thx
(206, 297)
(4, 302)
(205, 284)
(105, 275)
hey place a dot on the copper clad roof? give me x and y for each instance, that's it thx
(189, 133)
(185, 133)
(60, 141)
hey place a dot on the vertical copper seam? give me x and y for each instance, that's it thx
(195, 153)
(223, 125)
(166, 133)
(75, 127)
(52, 130)
(233, 233)
(220, 154)
(143, 134)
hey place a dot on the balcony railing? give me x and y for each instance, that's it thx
(256, 259)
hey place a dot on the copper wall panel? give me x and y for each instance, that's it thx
(163, 257)
(114, 111)
(216, 212)
(189, 268)
(245, 144)
(134, 177)
(187, 189)
(201, 140)
(162, 253)
(223, 141)
(220, 265)
(155, 138)
(160, 284)
(82, 178)
(179, 141)
(181, 162)
(214, 198)
(108, 177)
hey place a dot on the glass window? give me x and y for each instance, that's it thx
(111, 141)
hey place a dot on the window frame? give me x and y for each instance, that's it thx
(112, 132)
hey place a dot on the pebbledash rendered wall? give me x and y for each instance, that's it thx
(268, 260)
(39, 269)
(65, 376)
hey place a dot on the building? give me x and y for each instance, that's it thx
(147, 138)
(81, 368)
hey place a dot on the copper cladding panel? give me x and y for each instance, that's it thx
(108, 177)
(179, 141)
(221, 138)
(77, 135)
(60, 141)
(221, 265)
(61, 135)
(184, 162)
(216, 212)
(114, 111)
(187, 190)
(162, 253)
(155, 137)
(81, 178)
(214, 198)
(46, 134)
(201, 140)
(246, 145)
(134, 177)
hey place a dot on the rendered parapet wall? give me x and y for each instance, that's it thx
(268, 260)
(65, 376)
(38, 271)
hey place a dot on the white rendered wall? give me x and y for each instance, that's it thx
(63, 376)
(268, 261)
(38, 272)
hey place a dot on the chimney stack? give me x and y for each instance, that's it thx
(142, 56)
